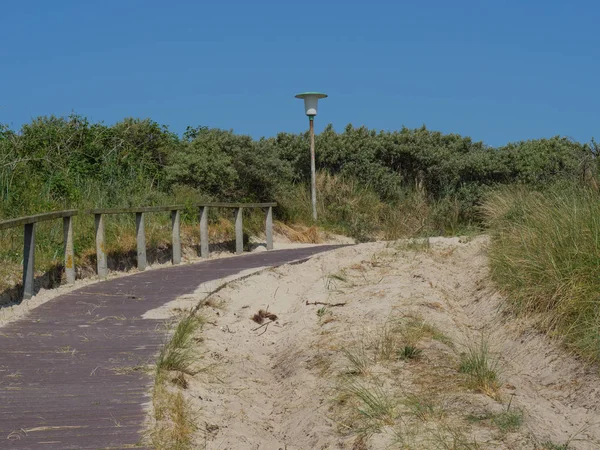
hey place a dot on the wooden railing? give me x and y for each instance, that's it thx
(101, 259)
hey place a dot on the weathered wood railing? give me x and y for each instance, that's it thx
(29, 244)
(101, 258)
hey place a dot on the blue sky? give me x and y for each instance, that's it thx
(498, 71)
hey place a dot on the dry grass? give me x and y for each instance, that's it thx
(174, 421)
(413, 406)
(414, 329)
(413, 245)
(298, 233)
(358, 359)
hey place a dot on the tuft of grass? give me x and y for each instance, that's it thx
(424, 407)
(414, 329)
(359, 360)
(549, 445)
(409, 352)
(450, 437)
(178, 353)
(481, 368)
(334, 279)
(414, 245)
(386, 343)
(544, 256)
(175, 425)
(508, 420)
(375, 405)
(174, 419)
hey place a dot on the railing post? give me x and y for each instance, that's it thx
(140, 232)
(239, 231)
(176, 237)
(69, 250)
(269, 228)
(28, 260)
(204, 231)
(102, 267)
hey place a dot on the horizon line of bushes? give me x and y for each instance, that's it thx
(63, 162)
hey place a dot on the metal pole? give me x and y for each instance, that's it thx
(313, 180)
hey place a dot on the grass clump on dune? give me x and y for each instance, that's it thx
(545, 256)
(174, 421)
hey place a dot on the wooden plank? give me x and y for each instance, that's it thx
(11, 223)
(69, 250)
(239, 231)
(175, 237)
(145, 209)
(140, 209)
(140, 234)
(269, 228)
(238, 205)
(19, 221)
(204, 232)
(28, 260)
(101, 262)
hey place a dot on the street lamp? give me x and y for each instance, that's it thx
(310, 105)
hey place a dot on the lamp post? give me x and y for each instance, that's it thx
(310, 106)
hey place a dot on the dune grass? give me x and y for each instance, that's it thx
(178, 353)
(481, 368)
(545, 256)
(174, 421)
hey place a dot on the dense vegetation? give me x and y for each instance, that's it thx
(59, 162)
(540, 196)
(545, 255)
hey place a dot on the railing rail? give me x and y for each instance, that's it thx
(101, 259)
(29, 244)
(11, 223)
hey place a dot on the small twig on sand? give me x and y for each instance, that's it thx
(263, 325)
(325, 303)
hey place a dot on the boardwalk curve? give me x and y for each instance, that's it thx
(66, 378)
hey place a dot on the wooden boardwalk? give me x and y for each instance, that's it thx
(67, 370)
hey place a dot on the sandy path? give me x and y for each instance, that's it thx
(278, 387)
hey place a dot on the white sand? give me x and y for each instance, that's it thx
(273, 387)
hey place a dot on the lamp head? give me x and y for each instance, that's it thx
(310, 102)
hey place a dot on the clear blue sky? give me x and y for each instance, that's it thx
(497, 70)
